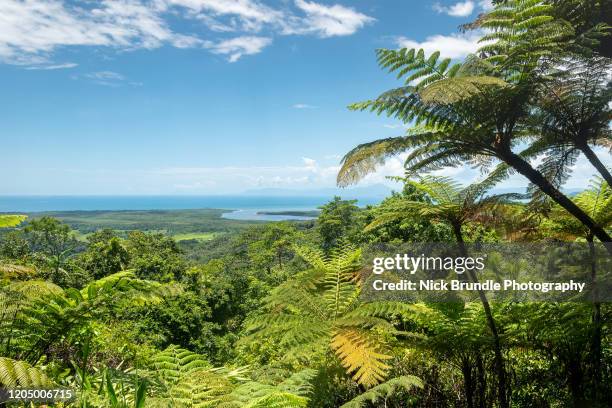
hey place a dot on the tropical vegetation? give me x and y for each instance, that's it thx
(277, 314)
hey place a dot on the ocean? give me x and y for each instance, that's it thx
(242, 206)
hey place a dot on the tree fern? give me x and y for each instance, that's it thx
(325, 315)
(187, 380)
(49, 314)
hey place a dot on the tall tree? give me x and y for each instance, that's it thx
(597, 202)
(455, 205)
(474, 112)
(54, 245)
(338, 220)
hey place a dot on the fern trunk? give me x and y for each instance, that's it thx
(466, 369)
(500, 371)
(534, 176)
(597, 322)
(601, 168)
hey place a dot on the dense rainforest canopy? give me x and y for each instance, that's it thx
(272, 314)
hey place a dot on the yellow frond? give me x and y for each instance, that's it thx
(360, 356)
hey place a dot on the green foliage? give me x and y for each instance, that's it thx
(188, 380)
(14, 245)
(445, 201)
(384, 391)
(14, 373)
(478, 112)
(53, 246)
(319, 311)
(128, 318)
(105, 254)
(595, 201)
(154, 256)
(339, 219)
(45, 315)
(7, 221)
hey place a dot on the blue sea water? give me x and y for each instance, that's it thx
(243, 206)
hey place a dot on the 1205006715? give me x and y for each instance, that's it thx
(36, 394)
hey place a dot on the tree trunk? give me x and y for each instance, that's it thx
(466, 369)
(575, 379)
(482, 385)
(524, 168)
(601, 168)
(500, 371)
(596, 339)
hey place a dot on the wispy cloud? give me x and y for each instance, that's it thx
(51, 67)
(236, 47)
(107, 78)
(303, 106)
(461, 9)
(32, 30)
(394, 126)
(450, 46)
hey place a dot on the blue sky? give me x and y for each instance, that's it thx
(202, 96)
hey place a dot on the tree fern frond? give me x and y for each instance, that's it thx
(384, 391)
(7, 221)
(453, 90)
(366, 157)
(361, 356)
(15, 373)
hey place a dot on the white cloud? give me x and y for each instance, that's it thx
(450, 46)
(327, 21)
(107, 78)
(250, 15)
(461, 9)
(32, 30)
(236, 47)
(395, 126)
(53, 66)
(303, 106)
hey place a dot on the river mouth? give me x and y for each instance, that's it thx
(267, 215)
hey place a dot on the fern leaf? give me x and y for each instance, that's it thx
(15, 373)
(360, 356)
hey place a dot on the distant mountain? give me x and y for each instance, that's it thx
(376, 191)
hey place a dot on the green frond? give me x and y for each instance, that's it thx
(33, 289)
(382, 309)
(15, 373)
(299, 383)
(365, 158)
(596, 201)
(453, 90)
(174, 362)
(7, 221)
(278, 400)
(384, 391)
(412, 65)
